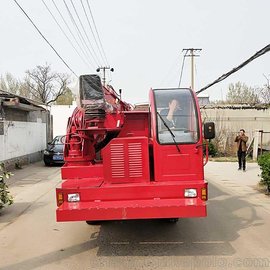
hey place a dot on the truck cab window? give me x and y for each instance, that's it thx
(177, 109)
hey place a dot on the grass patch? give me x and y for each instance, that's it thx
(223, 159)
(230, 159)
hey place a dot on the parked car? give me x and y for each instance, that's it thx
(53, 154)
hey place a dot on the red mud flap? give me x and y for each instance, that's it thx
(135, 209)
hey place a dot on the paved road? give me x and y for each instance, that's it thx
(235, 235)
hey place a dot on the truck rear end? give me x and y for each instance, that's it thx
(127, 164)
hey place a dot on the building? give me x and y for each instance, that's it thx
(230, 118)
(203, 99)
(24, 129)
(60, 114)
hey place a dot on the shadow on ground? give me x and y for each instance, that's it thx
(189, 237)
(210, 236)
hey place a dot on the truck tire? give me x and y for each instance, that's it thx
(93, 222)
(172, 220)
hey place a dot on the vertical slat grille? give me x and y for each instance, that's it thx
(117, 161)
(126, 160)
(135, 162)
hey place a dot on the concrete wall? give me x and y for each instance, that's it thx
(22, 140)
(23, 134)
(229, 120)
(60, 114)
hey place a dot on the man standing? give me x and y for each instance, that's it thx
(241, 140)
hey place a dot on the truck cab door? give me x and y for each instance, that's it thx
(176, 132)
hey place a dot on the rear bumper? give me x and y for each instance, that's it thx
(131, 209)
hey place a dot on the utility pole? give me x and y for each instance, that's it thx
(104, 73)
(191, 52)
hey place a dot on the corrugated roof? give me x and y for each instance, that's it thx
(6, 96)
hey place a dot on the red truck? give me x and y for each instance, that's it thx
(122, 163)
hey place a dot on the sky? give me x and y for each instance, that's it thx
(143, 41)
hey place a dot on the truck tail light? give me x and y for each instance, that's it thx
(60, 198)
(204, 194)
(74, 197)
(190, 193)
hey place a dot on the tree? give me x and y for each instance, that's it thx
(9, 83)
(46, 85)
(66, 99)
(240, 93)
(40, 84)
(265, 92)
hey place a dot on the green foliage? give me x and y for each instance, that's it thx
(264, 163)
(5, 197)
(212, 150)
(66, 98)
(240, 93)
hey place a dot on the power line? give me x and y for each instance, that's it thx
(196, 72)
(79, 32)
(168, 76)
(96, 30)
(192, 54)
(226, 75)
(45, 38)
(78, 17)
(70, 31)
(98, 46)
(62, 30)
(182, 68)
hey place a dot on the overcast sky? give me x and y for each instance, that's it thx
(143, 41)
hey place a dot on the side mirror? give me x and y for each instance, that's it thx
(209, 130)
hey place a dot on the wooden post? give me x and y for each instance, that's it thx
(261, 142)
(256, 144)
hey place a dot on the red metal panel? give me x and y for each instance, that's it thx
(88, 170)
(81, 183)
(126, 160)
(130, 191)
(170, 165)
(136, 124)
(132, 209)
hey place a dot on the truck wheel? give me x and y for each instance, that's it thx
(93, 222)
(172, 220)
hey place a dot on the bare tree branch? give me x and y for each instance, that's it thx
(265, 91)
(47, 86)
(240, 93)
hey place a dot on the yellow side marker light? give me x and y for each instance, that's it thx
(60, 198)
(204, 194)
